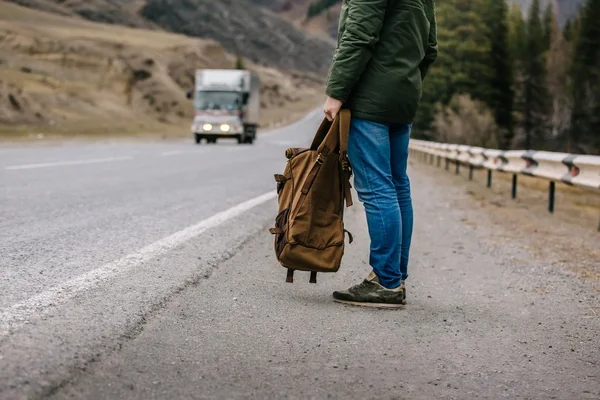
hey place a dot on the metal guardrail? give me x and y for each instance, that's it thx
(571, 169)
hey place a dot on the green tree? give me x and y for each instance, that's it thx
(501, 83)
(558, 63)
(318, 6)
(568, 30)
(535, 102)
(516, 32)
(239, 62)
(585, 120)
(548, 21)
(463, 64)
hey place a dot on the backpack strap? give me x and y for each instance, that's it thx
(344, 117)
(331, 141)
(329, 137)
(324, 143)
(344, 134)
(323, 130)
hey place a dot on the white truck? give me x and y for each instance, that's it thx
(226, 105)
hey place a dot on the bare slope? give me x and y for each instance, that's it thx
(241, 26)
(66, 74)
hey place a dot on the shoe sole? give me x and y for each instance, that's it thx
(371, 305)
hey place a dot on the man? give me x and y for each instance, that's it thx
(385, 48)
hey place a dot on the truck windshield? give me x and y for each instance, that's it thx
(215, 100)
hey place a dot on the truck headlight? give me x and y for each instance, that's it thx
(207, 127)
(225, 128)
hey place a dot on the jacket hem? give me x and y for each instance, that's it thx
(384, 119)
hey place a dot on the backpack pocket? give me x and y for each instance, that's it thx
(280, 231)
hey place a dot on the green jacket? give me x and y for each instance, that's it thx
(385, 48)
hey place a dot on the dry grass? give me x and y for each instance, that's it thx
(64, 76)
(568, 238)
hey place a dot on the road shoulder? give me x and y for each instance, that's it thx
(485, 319)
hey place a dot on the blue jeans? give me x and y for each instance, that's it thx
(379, 157)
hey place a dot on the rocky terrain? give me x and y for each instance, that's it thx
(62, 73)
(325, 24)
(241, 26)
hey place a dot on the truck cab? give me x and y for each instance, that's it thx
(226, 105)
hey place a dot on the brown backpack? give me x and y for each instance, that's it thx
(309, 228)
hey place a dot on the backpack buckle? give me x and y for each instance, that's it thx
(320, 159)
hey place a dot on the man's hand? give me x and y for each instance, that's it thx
(332, 108)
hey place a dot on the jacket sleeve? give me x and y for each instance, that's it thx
(432, 46)
(361, 33)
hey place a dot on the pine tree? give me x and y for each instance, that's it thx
(435, 87)
(586, 81)
(469, 50)
(548, 21)
(463, 64)
(568, 30)
(239, 62)
(318, 6)
(558, 66)
(516, 32)
(502, 94)
(535, 92)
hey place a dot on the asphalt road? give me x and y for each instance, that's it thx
(144, 270)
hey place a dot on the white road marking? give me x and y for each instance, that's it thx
(65, 163)
(20, 314)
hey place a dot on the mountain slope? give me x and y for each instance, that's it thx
(121, 12)
(296, 11)
(241, 26)
(64, 74)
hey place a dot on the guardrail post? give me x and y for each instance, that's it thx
(439, 161)
(470, 172)
(457, 167)
(489, 183)
(551, 196)
(514, 186)
(447, 164)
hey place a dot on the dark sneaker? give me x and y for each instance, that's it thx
(370, 293)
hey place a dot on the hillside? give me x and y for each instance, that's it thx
(122, 12)
(241, 26)
(324, 24)
(60, 73)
